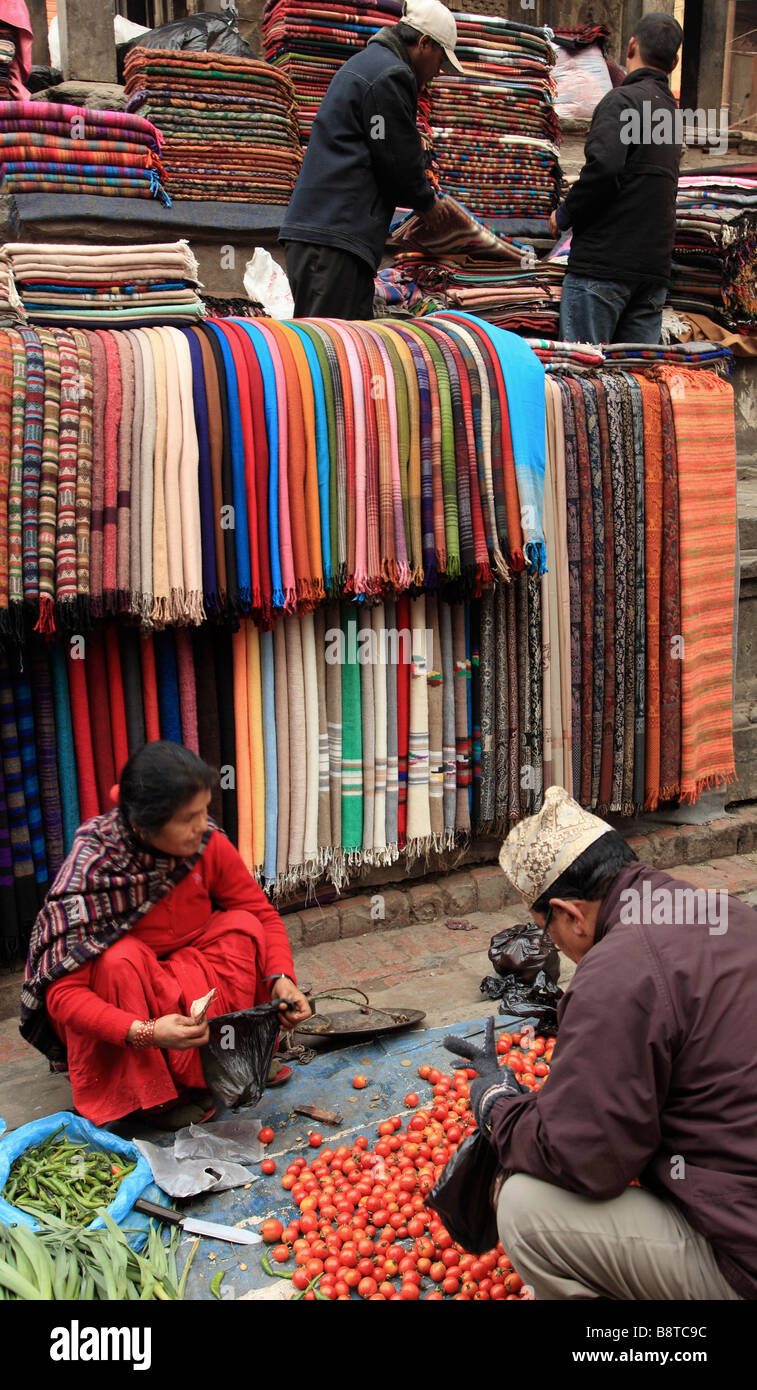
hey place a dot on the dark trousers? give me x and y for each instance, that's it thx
(328, 283)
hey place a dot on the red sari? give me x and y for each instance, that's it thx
(215, 929)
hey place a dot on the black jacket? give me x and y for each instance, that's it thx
(364, 156)
(623, 207)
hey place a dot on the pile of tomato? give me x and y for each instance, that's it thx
(364, 1226)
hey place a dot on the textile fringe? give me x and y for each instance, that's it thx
(672, 793)
(123, 601)
(159, 612)
(536, 556)
(454, 569)
(194, 607)
(176, 606)
(707, 784)
(46, 620)
(418, 848)
(517, 561)
(417, 577)
(500, 567)
(337, 869)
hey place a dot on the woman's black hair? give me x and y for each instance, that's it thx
(160, 778)
(591, 875)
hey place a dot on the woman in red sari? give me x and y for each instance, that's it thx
(152, 909)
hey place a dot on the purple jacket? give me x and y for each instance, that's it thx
(655, 1070)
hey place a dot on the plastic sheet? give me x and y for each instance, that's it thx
(187, 1177)
(211, 32)
(582, 80)
(236, 1059)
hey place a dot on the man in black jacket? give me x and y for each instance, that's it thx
(622, 208)
(364, 158)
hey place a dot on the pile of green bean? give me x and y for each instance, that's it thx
(61, 1262)
(60, 1178)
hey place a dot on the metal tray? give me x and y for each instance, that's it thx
(357, 1023)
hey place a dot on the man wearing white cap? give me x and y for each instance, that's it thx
(364, 158)
(654, 1079)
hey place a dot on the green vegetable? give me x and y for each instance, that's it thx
(215, 1283)
(67, 1263)
(65, 1179)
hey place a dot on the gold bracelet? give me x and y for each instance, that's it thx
(145, 1034)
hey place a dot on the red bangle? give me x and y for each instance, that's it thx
(145, 1034)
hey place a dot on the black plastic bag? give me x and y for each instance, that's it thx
(39, 78)
(462, 1195)
(524, 951)
(211, 32)
(535, 1004)
(236, 1058)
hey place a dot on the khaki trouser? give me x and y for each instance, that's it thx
(633, 1247)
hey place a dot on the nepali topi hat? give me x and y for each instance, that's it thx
(542, 847)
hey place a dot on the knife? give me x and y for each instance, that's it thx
(238, 1235)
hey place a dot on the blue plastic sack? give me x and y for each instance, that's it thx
(79, 1131)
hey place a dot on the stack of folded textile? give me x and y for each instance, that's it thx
(468, 267)
(230, 124)
(50, 148)
(7, 55)
(715, 254)
(106, 285)
(495, 131)
(310, 39)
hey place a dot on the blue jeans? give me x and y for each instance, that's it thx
(608, 311)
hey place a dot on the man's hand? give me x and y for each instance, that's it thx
(554, 230)
(493, 1081)
(436, 216)
(295, 1008)
(176, 1032)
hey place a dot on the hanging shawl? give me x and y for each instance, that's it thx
(48, 488)
(501, 722)
(378, 670)
(205, 477)
(150, 690)
(123, 498)
(104, 887)
(640, 571)
(418, 808)
(333, 672)
(110, 418)
(245, 457)
(187, 690)
(215, 454)
(135, 479)
(167, 677)
(24, 877)
(392, 772)
(615, 598)
(64, 742)
(33, 427)
(488, 438)
(349, 420)
(368, 732)
(68, 442)
(282, 749)
(133, 698)
(391, 433)
(257, 465)
(236, 466)
(279, 507)
(267, 679)
(231, 480)
(634, 597)
(269, 519)
(434, 681)
(362, 482)
(414, 419)
(324, 793)
(301, 480)
(145, 463)
(352, 742)
(315, 424)
(523, 375)
(403, 715)
(15, 487)
(242, 731)
(399, 403)
(332, 458)
(188, 492)
(462, 726)
(117, 703)
(448, 721)
(298, 773)
(310, 856)
(417, 364)
(443, 463)
(6, 400)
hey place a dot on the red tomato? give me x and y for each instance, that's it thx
(513, 1283)
(367, 1287)
(266, 1135)
(359, 1082)
(268, 1166)
(300, 1279)
(411, 1100)
(271, 1231)
(315, 1141)
(281, 1254)
(409, 1293)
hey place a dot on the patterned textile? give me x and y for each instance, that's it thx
(107, 285)
(229, 123)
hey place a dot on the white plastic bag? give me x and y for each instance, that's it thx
(266, 283)
(582, 79)
(186, 1177)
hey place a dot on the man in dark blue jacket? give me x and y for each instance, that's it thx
(622, 210)
(364, 158)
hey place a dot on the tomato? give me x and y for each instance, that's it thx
(541, 1069)
(268, 1166)
(411, 1100)
(271, 1231)
(266, 1135)
(438, 1271)
(424, 1072)
(513, 1283)
(367, 1287)
(451, 1284)
(300, 1279)
(409, 1292)
(315, 1141)
(359, 1083)
(281, 1253)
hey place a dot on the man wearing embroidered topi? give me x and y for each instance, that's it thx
(653, 1079)
(152, 912)
(364, 158)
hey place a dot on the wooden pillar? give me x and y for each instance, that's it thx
(38, 17)
(87, 41)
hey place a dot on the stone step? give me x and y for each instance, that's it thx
(747, 512)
